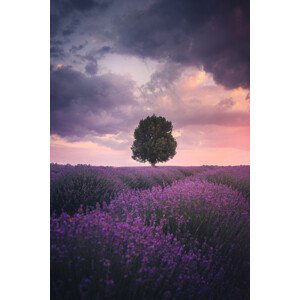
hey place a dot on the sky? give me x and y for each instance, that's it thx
(115, 62)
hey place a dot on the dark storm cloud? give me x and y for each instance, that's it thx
(57, 52)
(208, 34)
(91, 68)
(71, 27)
(92, 58)
(66, 14)
(212, 34)
(75, 49)
(56, 49)
(94, 55)
(82, 105)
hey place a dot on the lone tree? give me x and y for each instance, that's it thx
(153, 141)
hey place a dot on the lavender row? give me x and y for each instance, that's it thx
(83, 185)
(187, 240)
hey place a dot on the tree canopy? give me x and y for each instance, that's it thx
(153, 140)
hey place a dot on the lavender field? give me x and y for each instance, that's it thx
(149, 233)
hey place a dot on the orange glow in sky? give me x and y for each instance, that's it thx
(211, 125)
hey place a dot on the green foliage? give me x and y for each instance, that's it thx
(154, 141)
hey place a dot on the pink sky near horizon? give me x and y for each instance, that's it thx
(96, 155)
(211, 125)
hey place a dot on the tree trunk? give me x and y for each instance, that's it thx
(153, 165)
